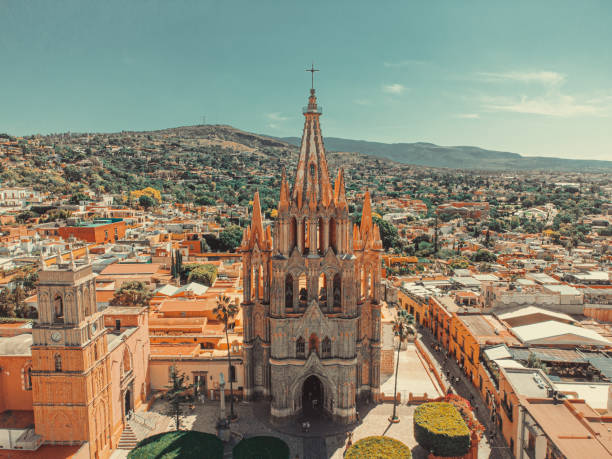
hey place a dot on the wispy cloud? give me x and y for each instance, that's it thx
(557, 104)
(362, 102)
(547, 98)
(468, 116)
(394, 88)
(273, 126)
(403, 63)
(276, 116)
(544, 77)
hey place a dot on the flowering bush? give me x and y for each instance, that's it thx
(440, 428)
(378, 448)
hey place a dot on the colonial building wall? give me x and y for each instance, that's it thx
(211, 369)
(15, 383)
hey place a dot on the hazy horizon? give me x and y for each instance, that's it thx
(507, 77)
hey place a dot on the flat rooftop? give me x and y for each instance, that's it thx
(527, 382)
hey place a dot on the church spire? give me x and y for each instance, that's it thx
(283, 202)
(256, 220)
(312, 185)
(340, 191)
(366, 215)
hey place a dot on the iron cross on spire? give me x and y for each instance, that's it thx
(312, 70)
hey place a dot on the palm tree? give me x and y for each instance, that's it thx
(225, 311)
(402, 328)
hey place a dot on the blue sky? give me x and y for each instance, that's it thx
(533, 77)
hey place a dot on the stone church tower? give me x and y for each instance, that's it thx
(70, 364)
(312, 319)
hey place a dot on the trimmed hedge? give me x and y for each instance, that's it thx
(261, 447)
(179, 444)
(378, 448)
(439, 427)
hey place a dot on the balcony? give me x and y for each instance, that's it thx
(318, 109)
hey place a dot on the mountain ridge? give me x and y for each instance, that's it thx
(457, 157)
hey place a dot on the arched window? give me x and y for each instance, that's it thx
(58, 362)
(337, 290)
(332, 234)
(58, 309)
(326, 348)
(303, 290)
(289, 291)
(323, 289)
(300, 351)
(313, 344)
(292, 234)
(28, 378)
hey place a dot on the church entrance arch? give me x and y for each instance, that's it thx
(313, 396)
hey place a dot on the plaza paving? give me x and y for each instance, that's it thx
(322, 441)
(413, 377)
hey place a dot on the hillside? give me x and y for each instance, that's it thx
(461, 157)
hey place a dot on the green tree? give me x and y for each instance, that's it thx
(484, 255)
(230, 238)
(23, 217)
(146, 201)
(179, 391)
(134, 293)
(225, 312)
(78, 197)
(7, 307)
(202, 274)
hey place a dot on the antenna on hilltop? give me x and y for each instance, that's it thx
(203, 119)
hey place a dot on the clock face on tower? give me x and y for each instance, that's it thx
(56, 336)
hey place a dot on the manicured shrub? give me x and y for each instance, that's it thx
(439, 427)
(378, 448)
(261, 448)
(179, 444)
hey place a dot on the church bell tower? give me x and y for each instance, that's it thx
(70, 365)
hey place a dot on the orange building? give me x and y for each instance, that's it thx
(100, 231)
(71, 377)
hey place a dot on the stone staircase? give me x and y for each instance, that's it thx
(128, 439)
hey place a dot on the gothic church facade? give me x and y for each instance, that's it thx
(312, 309)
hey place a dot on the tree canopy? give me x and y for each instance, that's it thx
(134, 293)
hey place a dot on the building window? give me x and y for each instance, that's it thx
(28, 378)
(233, 373)
(58, 309)
(58, 362)
(326, 348)
(300, 348)
(117, 324)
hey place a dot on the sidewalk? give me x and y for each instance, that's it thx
(464, 388)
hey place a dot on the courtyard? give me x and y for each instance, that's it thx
(324, 439)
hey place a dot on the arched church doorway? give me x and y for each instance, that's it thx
(312, 396)
(128, 402)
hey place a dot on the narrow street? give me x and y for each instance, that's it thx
(464, 388)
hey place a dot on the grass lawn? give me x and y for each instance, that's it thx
(261, 448)
(182, 444)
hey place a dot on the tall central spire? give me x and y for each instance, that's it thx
(312, 186)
